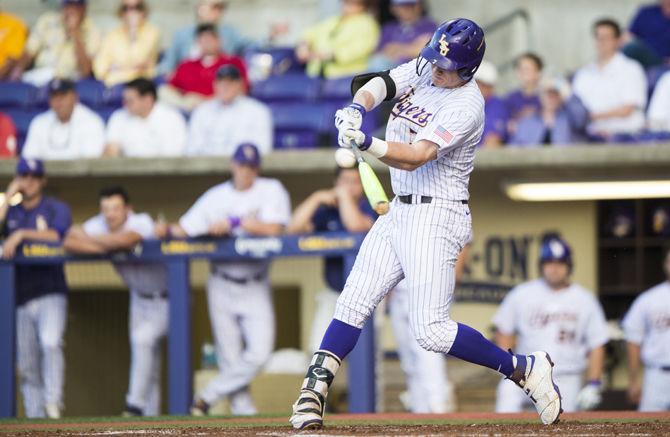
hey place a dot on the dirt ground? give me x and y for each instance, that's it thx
(460, 424)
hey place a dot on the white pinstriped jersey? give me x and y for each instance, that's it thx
(451, 118)
(647, 323)
(567, 323)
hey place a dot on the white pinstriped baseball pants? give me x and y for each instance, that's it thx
(418, 242)
(40, 324)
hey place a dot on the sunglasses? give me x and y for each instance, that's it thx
(135, 7)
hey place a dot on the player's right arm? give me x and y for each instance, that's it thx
(635, 328)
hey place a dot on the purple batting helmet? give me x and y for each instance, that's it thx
(457, 45)
(555, 248)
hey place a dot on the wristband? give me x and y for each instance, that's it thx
(360, 108)
(594, 382)
(234, 222)
(377, 147)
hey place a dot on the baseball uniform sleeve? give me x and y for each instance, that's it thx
(597, 333)
(95, 226)
(633, 324)
(277, 209)
(504, 319)
(195, 222)
(405, 76)
(449, 130)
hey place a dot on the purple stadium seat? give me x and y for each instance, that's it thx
(113, 96)
(291, 87)
(21, 118)
(336, 89)
(17, 95)
(297, 125)
(91, 92)
(277, 60)
(653, 75)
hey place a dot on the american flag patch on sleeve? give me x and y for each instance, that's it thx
(444, 134)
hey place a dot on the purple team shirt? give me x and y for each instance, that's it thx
(395, 32)
(652, 27)
(495, 121)
(518, 104)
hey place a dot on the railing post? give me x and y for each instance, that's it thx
(179, 336)
(7, 343)
(361, 360)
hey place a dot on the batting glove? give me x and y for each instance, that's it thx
(358, 137)
(590, 396)
(350, 117)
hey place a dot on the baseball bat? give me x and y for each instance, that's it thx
(371, 186)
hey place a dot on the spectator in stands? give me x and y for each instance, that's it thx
(143, 127)
(403, 39)
(41, 290)
(7, 137)
(69, 130)
(13, 33)
(185, 45)
(60, 45)
(193, 81)
(219, 125)
(650, 35)
(495, 124)
(525, 100)
(613, 88)
(131, 50)
(658, 114)
(340, 45)
(558, 119)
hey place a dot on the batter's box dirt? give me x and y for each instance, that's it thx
(460, 424)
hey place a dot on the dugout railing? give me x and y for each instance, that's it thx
(176, 256)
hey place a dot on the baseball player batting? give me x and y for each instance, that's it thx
(430, 145)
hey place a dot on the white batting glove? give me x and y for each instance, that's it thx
(357, 137)
(590, 396)
(350, 117)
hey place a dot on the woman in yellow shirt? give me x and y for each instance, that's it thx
(131, 50)
(340, 45)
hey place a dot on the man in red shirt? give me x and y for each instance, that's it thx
(192, 82)
(7, 137)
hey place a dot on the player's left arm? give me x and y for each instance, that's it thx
(124, 240)
(596, 362)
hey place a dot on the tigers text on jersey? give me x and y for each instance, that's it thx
(452, 118)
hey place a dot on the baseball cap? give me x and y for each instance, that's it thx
(57, 86)
(73, 2)
(228, 71)
(247, 154)
(34, 167)
(487, 73)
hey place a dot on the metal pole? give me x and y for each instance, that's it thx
(179, 336)
(7, 345)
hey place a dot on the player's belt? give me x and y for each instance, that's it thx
(241, 281)
(413, 199)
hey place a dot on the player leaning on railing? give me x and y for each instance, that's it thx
(430, 146)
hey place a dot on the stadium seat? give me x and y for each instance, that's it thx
(17, 95)
(113, 96)
(291, 87)
(336, 89)
(21, 118)
(265, 62)
(653, 75)
(91, 92)
(297, 125)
